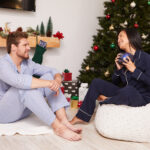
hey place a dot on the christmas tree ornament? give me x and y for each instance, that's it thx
(59, 35)
(112, 45)
(125, 23)
(87, 68)
(148, 2)
(107, 73)
(111, 27)
(133, 4)
(144, 36)
(95, 48)
(136, 25)
(113, 1)
(107, 16)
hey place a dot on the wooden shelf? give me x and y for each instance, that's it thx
(51, 42)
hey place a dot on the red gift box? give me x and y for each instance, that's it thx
(67, 76)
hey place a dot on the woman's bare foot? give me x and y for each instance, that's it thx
(62, 131)
(71, 127)
(76, 120)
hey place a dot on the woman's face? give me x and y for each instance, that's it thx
(123, 41)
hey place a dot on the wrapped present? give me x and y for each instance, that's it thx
(83, 90)
(71, 87)
(67, 75)
(74, 102)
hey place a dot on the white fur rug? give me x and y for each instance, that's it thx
(28, 126)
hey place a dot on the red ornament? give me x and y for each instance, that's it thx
(107, 16)
(113, 1)
(59, 35)
(1, 29)
(95, 48)
(136, 25)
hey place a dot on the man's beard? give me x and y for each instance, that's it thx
(23, 57)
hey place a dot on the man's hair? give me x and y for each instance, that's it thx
(14, 38)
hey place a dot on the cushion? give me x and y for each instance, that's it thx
(124, 122)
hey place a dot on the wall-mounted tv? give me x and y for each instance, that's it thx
(28, 5)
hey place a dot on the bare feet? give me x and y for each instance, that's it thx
(62, 131)
(71, 127)
(76, 120)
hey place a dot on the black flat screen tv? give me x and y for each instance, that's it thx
(28, 5)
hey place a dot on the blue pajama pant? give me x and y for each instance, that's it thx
(17, 104)
(127, 95)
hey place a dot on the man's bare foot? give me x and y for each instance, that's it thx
(71, 127)
(76, 120)
(62, 131)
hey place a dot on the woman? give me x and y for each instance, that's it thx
(134, 74)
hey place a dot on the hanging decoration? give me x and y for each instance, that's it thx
(136, 25)
(133, 4)
(107, 16)
(111, 27)
(95, 48)
(87, 68)
(112, 45)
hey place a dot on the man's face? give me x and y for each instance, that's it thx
(23, 49)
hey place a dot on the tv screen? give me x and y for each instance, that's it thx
(28, 5)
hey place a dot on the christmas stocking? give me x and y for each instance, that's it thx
(39, 51)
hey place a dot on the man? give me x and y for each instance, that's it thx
(21, 94)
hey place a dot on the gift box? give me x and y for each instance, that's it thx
(67, 76)
(83, 91)
(74, 102)
(71, 87)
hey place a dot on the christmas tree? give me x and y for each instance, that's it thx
(49, 30)
(119, 14)
(42, 29)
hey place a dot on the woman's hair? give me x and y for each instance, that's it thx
(14, 38)
(134, 38)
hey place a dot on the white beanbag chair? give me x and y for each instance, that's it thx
(124, 122)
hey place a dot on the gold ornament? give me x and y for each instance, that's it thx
(87, 68)
(107, 73)
(111, 27)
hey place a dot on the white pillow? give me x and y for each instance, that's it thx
(123, 122)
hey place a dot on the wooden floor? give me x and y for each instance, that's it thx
(91, 140)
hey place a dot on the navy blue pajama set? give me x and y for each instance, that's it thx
(136, 90)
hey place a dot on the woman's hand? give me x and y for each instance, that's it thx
(129, 64)
(116, 61)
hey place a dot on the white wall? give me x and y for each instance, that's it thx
(76, 19)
